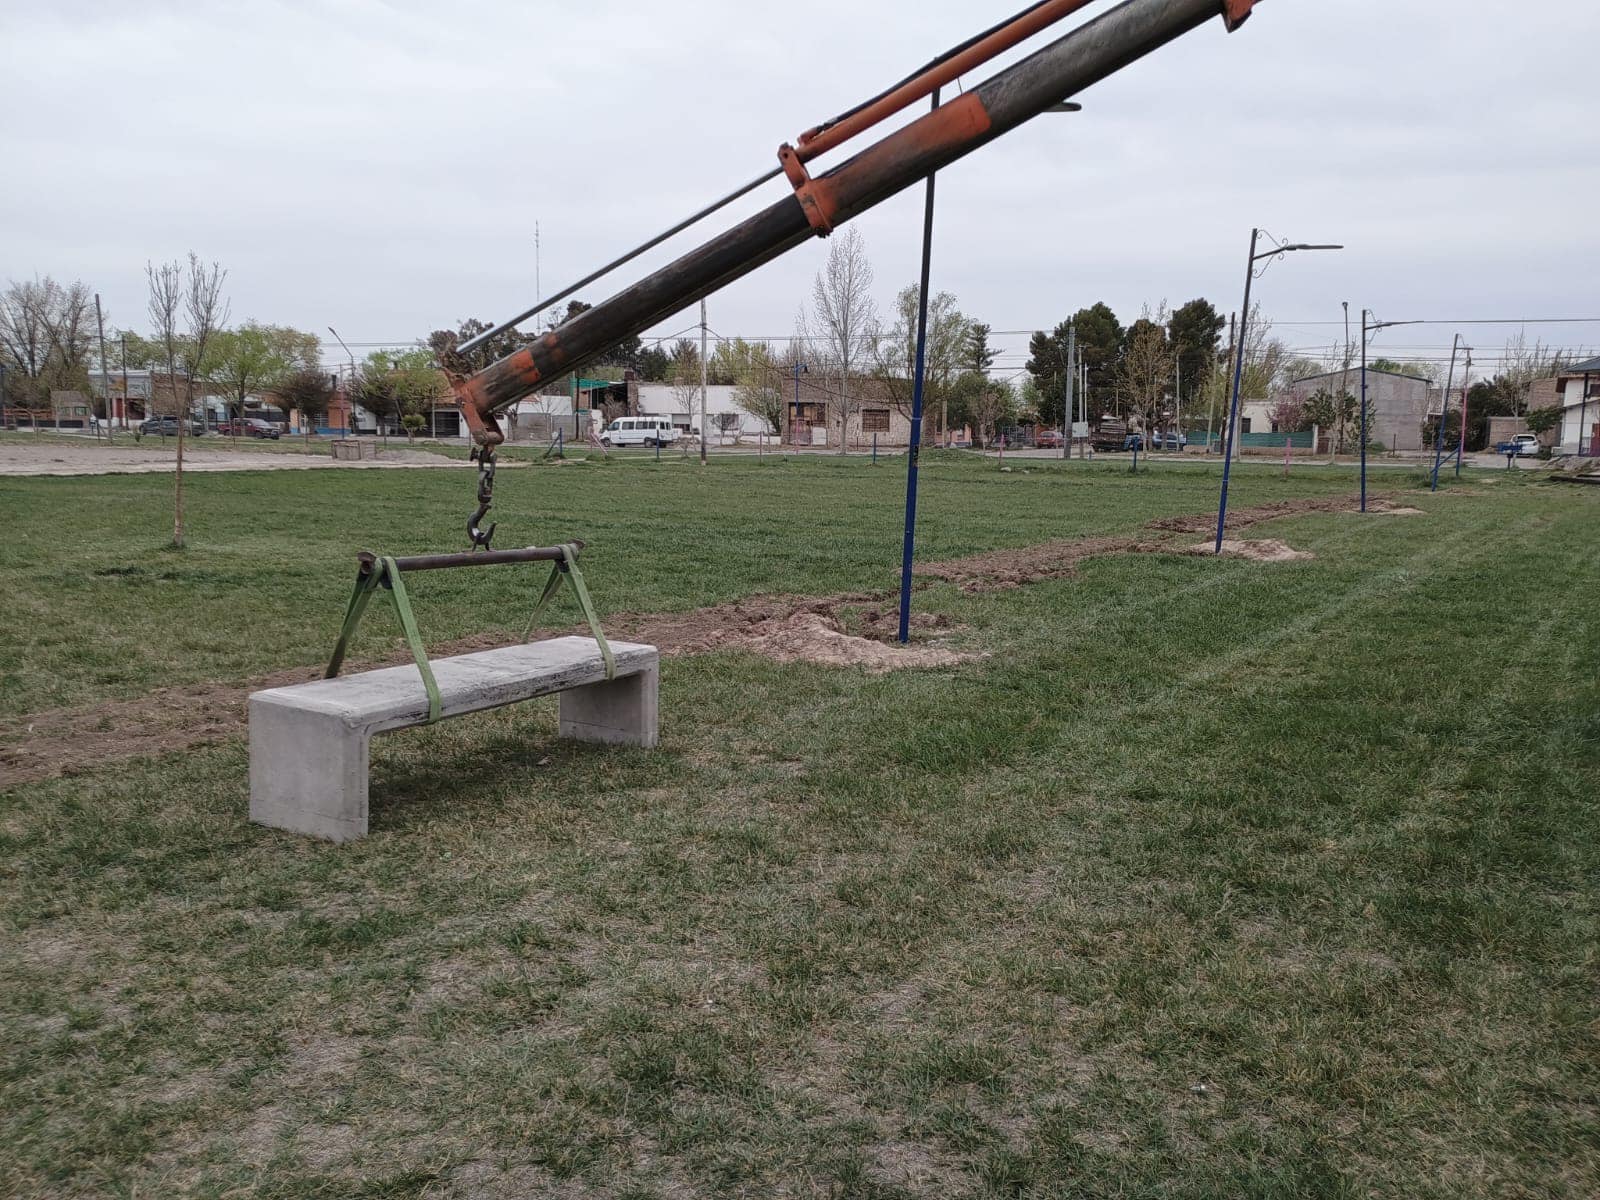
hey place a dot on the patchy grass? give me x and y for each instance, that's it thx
(1214, 879)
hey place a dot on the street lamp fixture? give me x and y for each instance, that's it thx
(1256, 255)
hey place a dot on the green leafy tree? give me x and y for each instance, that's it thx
(653, 364)
(976, 352)
(1195, 330)
(1542, 420)
(251, 359)
(733, 361)
(1100, 346)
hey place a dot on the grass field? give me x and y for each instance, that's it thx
(1210, 879)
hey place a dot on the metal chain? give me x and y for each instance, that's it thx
(481, 537)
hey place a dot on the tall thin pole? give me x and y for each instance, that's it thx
(1444, 413)
(914, 455)
(703, 382)
(1083, 404)
(1466, 384)
(1067, 412)
(105, 379)
(1365, 313)
(1344, 384)
(1177, 401)
(1583, 419)
(124, 381)
(1238, 380)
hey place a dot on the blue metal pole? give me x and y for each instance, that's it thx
(1231, 432)
(914, 455)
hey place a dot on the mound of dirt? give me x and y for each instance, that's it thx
(1387, 510)
(815, 638)
(1265, 550)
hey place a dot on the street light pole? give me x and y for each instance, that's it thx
(347, 401)
(1368, 328)
(1444, 413)
(800, 368)
(1231, 432)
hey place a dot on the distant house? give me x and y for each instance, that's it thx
(70, 410)
(1577, 391)
(1399, 402)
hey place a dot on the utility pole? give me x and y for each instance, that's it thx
(1083, 403)
(1177, 402)
(1069, 410)
(1466, 384)
(124, 381)
(105, 379)
(703, 426)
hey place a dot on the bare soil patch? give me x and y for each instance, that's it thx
(787, 628)
(1244, 518)
(1387, 510)
(1001, 569)
(154, 456)
(1265, 550)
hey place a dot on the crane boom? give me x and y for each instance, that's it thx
(1063, 68)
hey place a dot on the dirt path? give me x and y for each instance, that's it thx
(153, 455)
(852, 629)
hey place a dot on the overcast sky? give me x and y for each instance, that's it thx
(380, 167)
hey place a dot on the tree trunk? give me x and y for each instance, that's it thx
(1288, 443)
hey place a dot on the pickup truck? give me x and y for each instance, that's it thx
(1523, 443)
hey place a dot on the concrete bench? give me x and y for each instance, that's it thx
(309, 742)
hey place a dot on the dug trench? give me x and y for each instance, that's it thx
(852, 629)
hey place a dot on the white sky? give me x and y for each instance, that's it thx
(379, 167)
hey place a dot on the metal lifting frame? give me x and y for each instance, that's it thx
(1061, 69)
(383, 573)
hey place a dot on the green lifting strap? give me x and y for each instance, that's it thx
(567, 568)
(387, 574)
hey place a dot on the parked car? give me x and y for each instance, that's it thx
(639, 431)
(1049, 439)
(1174, 441)
(253, 427)
(168, 427)
(1521, 444)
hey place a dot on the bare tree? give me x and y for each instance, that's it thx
(191, 294)
(894, 362)
(842, 324)
(46, 338)
(1288, 413)
(1146, 367)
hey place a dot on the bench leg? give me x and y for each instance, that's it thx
(620, 713)
(308, 773)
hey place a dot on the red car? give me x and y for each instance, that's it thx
(1048, 439)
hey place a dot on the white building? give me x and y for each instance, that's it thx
(1578, 394)
(664, 400)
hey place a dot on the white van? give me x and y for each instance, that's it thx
(639, 431)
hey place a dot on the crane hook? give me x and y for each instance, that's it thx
(481, 537)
